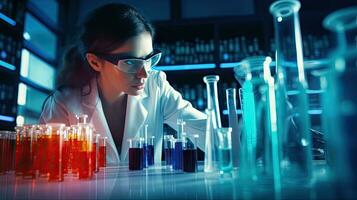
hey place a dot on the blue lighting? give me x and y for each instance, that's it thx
(3, 54)
(229, 65)
(239, 112)
(225, 56)
(311, 112)
(6, 118)
(185, 67)
(7, 19)
(7, 65)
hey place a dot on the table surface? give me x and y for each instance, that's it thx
(162, 183)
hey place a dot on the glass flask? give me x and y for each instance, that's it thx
(233, 122)
(213, 122)
(257, 98)
(340, 102)
(292, 103)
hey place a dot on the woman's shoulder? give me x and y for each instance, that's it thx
(157, 77)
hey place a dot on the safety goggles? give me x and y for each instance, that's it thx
(132, 64)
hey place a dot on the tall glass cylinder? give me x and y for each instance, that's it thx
(258, 103)
(340, 102)
(292, 103)
(233, 123)
(212, 97)
(213, 122)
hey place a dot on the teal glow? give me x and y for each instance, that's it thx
(250, 126)
(239, 112)
(7, 65)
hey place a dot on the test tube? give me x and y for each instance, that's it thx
(11, 148)
(151, 152)
(190, 155)
(95, 153)
(3, 152)
(178, 153)
(145, 147)
(28, 151)
(36, 132)
(43, 141)
(102, 152)
(19, 152)
(55, 151)
(85, 136)
(135, 154)
(169, 150)
(74, 145)
(65, 150)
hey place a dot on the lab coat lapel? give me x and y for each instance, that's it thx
(136, 114)
(92, 106)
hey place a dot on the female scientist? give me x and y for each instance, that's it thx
(108, 76)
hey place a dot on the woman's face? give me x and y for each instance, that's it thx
(118, 81)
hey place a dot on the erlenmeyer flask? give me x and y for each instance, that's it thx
(340, 102)
(292, 103)
(213, 122)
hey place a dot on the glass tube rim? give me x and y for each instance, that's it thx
(279, 8)
(210, 78)
(341, 20)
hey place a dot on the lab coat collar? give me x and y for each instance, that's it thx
(136, 114)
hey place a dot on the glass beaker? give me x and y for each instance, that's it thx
(136, 154)
(293, 121)
(225, 149)
(340, 102)
(233, 122)
(190, 155)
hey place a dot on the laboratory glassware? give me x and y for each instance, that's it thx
(213, 122)
(233, 122)
(340, 100)
(293, 121)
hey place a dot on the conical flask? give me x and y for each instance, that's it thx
(340, 102)
(213, 122)
(233, 123)
(292, 103)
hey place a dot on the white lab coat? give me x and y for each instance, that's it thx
(159, 103)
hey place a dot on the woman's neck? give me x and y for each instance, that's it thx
(108, 94)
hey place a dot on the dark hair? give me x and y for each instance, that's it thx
(104, 29)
